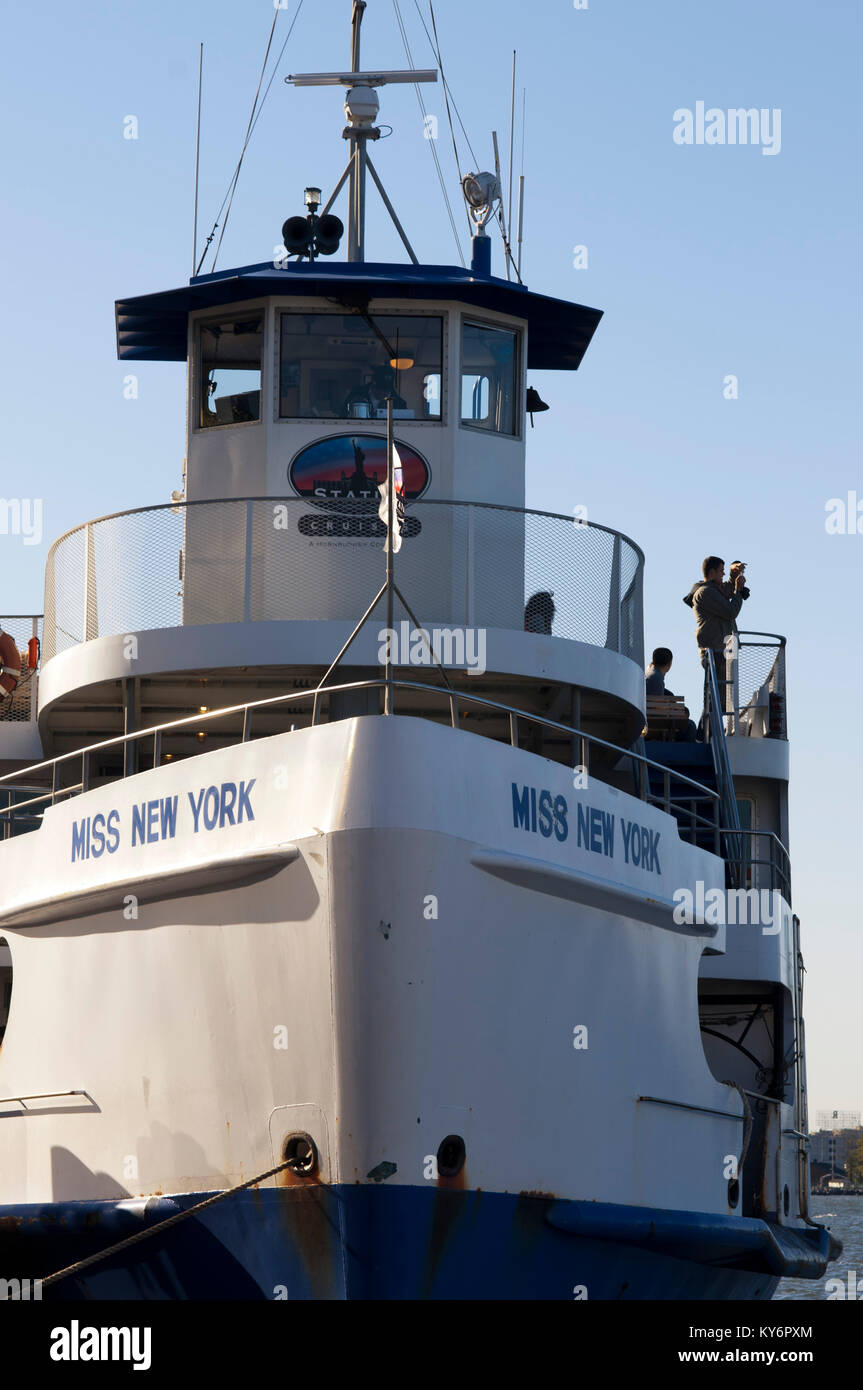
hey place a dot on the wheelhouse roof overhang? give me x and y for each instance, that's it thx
(153, 327)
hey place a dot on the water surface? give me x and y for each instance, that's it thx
(844, 1218)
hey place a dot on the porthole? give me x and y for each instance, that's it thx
(450, 1156)
(5, 985)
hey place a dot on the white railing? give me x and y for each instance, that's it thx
(25, 794)
(268, 558)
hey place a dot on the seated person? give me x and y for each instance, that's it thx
(657, 690)
(539, 612)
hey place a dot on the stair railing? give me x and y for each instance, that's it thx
(715, 730)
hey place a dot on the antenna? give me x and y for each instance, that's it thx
(356, 21)
(361, 110)
(503, 221)
(197, 164)
(520, 224)
(521, 187)
(511, 135)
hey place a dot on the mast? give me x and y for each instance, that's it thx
(357, 186)
(361, 110)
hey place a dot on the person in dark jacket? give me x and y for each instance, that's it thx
(716, 612)
(658, 669)
(655, 685)
(539, 611)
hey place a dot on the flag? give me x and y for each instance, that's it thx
(399, 495)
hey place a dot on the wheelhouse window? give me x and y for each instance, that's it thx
(230, 357)
(489, 378)
(343, 366)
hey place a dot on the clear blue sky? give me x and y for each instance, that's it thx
(707, 260)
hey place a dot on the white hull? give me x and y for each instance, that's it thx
(401, 1026)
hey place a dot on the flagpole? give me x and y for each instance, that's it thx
(388, 688)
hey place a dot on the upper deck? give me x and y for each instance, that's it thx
(163, 610)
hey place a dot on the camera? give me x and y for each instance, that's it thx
(738, 567)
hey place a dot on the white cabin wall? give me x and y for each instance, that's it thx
(253, 459)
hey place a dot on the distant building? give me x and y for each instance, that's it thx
(832, 1147)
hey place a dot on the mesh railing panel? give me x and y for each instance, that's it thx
(760, 676)
(135, 563)
(65, 594)
(20, 706)
(259, 559)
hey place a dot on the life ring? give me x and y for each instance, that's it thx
(10, 663)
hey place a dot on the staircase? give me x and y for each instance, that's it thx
(707, 763)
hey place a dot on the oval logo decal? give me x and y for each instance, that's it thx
(350, 467)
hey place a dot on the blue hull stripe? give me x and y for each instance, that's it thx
(372, 1241)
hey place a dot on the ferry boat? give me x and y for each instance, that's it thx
(341, 943)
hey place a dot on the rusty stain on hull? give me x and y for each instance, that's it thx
(451, 1203)
(289, 1177)
(313, 1233)
(529, 1222)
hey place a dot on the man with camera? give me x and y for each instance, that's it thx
(716, 603)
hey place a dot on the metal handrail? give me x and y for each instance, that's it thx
(454, 697)
(688, 1105)
(769, 1100)
(721, 763)
(44, 1095)
(775, 865)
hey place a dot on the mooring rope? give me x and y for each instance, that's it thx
(160, 1226)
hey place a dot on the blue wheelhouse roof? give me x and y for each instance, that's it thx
(154, 326)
